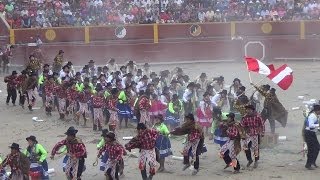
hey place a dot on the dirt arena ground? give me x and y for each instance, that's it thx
(281, 162)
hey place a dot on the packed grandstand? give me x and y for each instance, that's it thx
(61, 13)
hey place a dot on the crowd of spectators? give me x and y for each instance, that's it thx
(59, 13)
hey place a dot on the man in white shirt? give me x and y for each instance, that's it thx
(113, 67)
(310, 137)
(142, 85)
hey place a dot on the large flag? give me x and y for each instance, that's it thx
(255, 65)
(282, 77)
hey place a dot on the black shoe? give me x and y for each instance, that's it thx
(249, 163)
(150, 177)
(186, 166)
(226, 166)
(309, 167)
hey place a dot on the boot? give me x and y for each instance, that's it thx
(126, 121)
(85, 119)
(161, 162)
(77, 118)
(94, 127)
(144, 174)
(30, 108)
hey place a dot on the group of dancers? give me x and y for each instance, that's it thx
(164, 105)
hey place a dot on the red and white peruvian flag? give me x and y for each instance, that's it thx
(282, 77)
(257, 66)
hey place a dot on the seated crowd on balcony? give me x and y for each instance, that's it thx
(59, 13)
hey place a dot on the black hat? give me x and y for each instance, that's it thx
(223, 92)
(101, 75)
(78, 73)
(139, 71)
(32, 138)
(192, 84)
(66, 66)
(231, 115)
(99, 87)
(14, 146)
(203, 75)
(190, 116)
(160, 117)
(175, 97)
(61, 51)
(146, 65)
(108, 84)
(242, 88)
(141, 126)
(153, 74)
(111, 136)
(14, 72)
(216, 110)
(69, 63)
(104, 132)
(236, 79)
(316, 107)
(174, 81)
(250, 107)
(71, 131)
(129, 75)
(144, 77)
(130, 62)
(91, 61)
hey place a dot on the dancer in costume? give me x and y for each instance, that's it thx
(163, 144)
(76, 154)
(204, 112)
(37, 155)
(254, 126)
(18, 162)
(232, 148)
(146, 142)
(115, 152)
(195, 136)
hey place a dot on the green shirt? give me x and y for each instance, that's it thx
(79, 87)
(41, 79)
(215, 124)
(162, 128)
(40, 152)
(101, 143)
(122, 97)
(171, 107)
(106, 94)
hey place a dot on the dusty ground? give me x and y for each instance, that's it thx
(280, 162)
